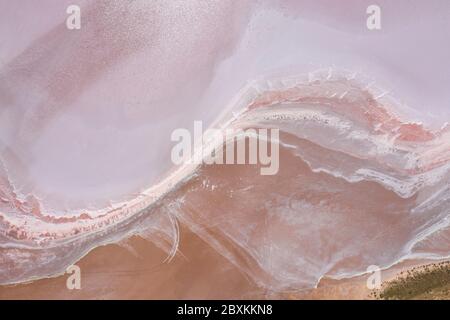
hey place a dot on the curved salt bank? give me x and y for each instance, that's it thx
(87, 148)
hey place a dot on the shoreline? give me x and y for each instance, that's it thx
(301, 89)
(136, 269)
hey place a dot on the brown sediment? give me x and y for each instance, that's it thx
(282, 232)
(139, 271)
(233, 244)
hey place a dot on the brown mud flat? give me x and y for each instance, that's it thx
(138, 270)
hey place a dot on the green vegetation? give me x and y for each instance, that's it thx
(425, 282)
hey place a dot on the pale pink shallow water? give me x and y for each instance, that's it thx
(86, 118)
